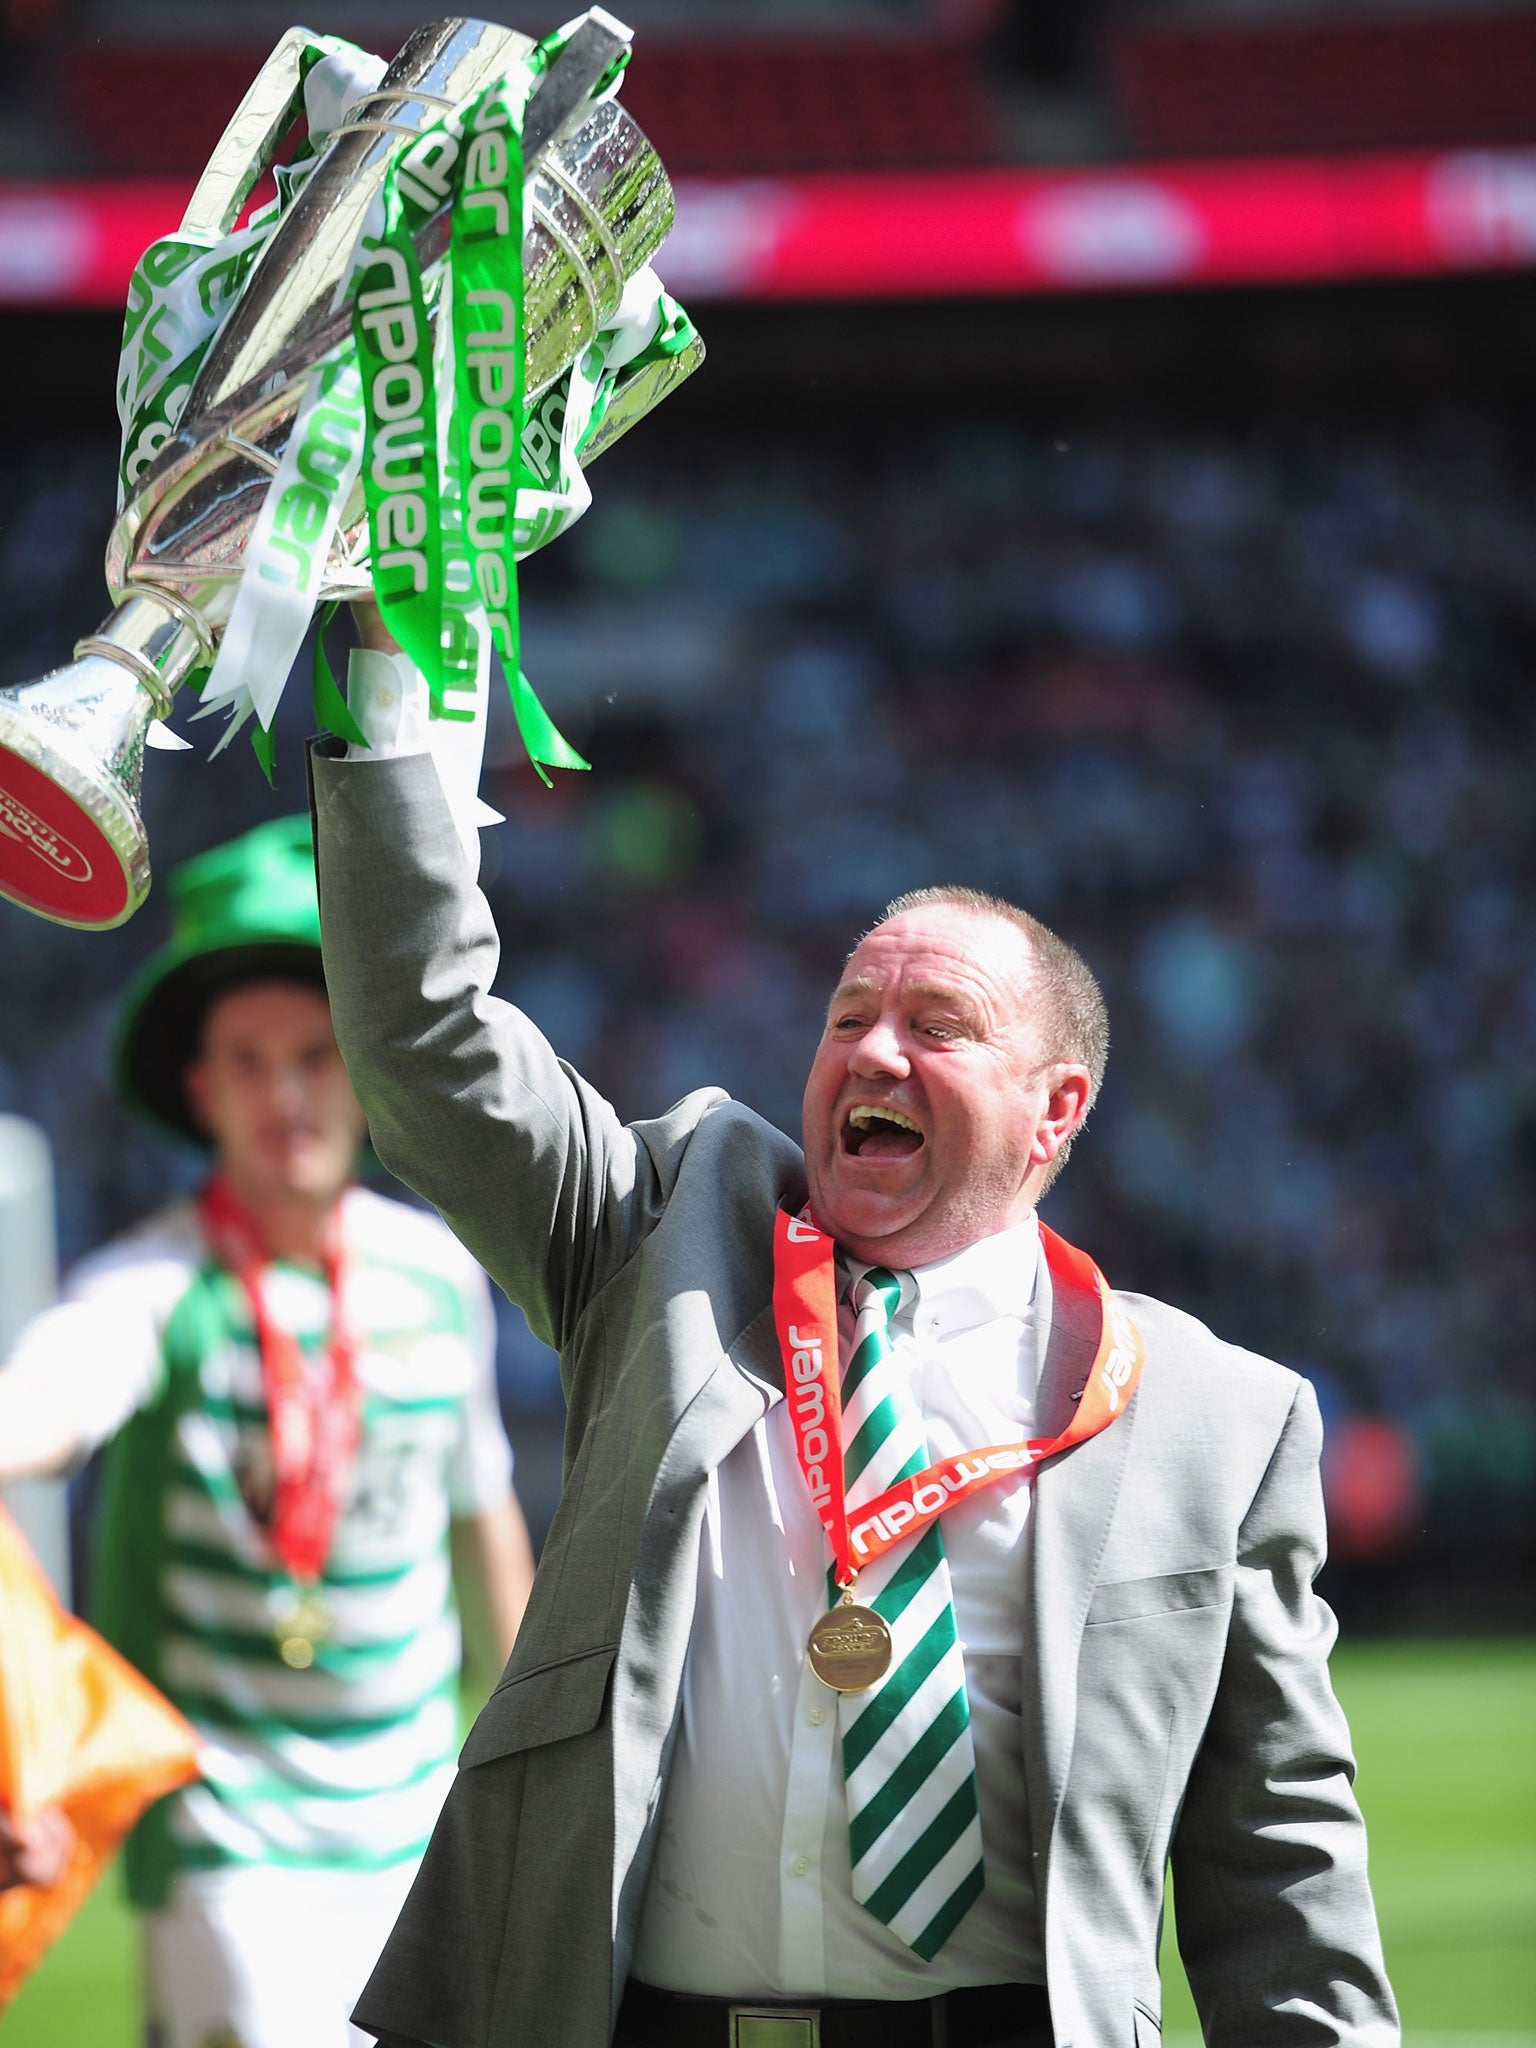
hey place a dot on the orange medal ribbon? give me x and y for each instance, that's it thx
(805, 1314)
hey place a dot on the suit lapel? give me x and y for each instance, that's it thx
(756, 1353)
(726, 1401)
(1069, 1523)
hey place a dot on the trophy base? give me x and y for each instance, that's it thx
(72, 847)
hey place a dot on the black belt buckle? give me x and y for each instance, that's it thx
(775, 2026)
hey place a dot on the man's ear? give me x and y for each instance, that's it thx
(1071, 1089)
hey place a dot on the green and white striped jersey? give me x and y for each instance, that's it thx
(343, 1764)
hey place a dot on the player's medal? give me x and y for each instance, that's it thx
(850, 1646)
(302, 1629)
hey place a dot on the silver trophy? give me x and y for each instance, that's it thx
(72, 842)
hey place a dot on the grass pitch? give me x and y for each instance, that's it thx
(1446, 1736)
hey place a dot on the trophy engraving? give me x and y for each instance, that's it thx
(244, 502)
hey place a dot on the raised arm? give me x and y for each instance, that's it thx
(1276, 1924)
(465, 1099)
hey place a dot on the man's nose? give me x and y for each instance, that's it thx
(288, 1085)
(879, 1051)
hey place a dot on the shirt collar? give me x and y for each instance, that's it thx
(994, 1277)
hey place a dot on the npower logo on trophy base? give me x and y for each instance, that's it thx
(54, 858)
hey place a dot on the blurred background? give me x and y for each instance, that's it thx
(1111, 485)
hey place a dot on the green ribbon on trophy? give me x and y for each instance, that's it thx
(447, 536)
(436, 558)
(424, 402)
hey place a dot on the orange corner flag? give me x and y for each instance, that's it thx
(80, 1729)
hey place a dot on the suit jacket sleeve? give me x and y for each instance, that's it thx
(466, 1101)
(1276, 1925)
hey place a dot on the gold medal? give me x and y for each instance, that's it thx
(305, 1625)
(850, 1647)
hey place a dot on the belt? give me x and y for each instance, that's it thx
(980, 2016)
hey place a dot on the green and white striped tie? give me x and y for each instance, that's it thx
(908, 1760)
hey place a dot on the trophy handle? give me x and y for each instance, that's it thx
(246, 147)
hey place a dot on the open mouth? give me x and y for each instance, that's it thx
(286, 1142)
(871, 1132)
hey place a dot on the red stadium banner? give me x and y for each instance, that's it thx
(1292, 220)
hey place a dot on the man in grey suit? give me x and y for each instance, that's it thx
(1078, 1531)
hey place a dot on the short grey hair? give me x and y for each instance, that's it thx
(1074, 1021)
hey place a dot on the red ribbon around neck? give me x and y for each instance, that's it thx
(313, 1407)
(805, 1314)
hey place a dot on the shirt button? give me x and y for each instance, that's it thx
(818, 1715)
(801, 1865)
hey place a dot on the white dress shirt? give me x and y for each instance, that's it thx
(750, 1893)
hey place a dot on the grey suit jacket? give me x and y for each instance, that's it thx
(1176, 1694)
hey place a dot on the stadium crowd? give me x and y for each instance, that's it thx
(1247, 717)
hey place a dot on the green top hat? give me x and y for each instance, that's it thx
(242, 912)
